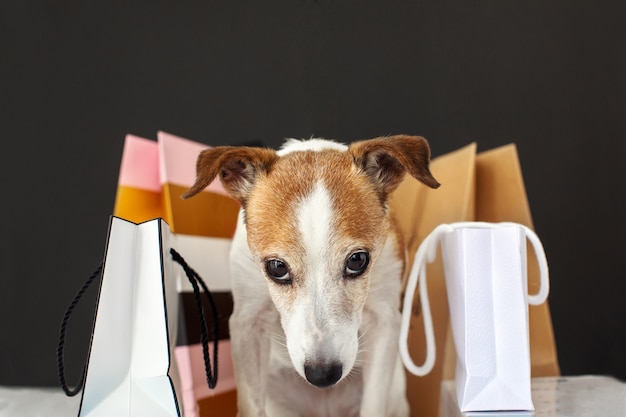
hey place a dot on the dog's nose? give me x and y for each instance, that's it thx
(322, 376)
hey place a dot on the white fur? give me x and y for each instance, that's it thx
(314, 144)
(314, 216)
(316, 331)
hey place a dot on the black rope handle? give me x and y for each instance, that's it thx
(60, 346)
(194, 279)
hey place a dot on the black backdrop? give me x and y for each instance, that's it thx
(76, 76)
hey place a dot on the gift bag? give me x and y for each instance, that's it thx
(487, 286)
(212, 212)
(419, 210)
(487, 187)
(153, 176)
(203, 228)
(139, 197)
(130, 368)
(501, 197)
(131, 371)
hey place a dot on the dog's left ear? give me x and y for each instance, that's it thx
(238, 167)
(385, 160)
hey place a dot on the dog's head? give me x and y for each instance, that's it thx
(317, 220)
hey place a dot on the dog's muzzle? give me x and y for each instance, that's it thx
(323, 376)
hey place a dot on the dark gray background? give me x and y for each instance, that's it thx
(76, 76)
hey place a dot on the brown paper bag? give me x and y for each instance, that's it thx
(501, 196)
(487, 187)
(419, 210)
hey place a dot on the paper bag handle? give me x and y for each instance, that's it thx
(195, 280)
(426, 253)
(544, 281)
(70, 392)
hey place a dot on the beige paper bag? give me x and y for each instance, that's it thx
(501, 196)
(419, 210)
(485, 187)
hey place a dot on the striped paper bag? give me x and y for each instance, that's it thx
(204, 227)
(153, 175)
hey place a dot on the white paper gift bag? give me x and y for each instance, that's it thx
(131, 370)
(486, 282)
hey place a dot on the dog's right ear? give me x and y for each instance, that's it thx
(238, 167)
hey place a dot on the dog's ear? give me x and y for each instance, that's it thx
(237, 166)
(385, 160)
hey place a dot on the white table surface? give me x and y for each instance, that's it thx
(37, 402)
(579, 396)
(576, 396)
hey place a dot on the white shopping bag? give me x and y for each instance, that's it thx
(486, 281)
(131, 371)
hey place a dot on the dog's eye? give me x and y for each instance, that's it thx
(357, 263)
(278, 271)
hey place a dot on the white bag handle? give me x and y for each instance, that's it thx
(426, 253)
(544, 282)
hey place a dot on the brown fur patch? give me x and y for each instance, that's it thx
(271, 210)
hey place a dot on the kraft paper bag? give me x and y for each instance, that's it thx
(486, 187)
(203, 228)
(131, 370)
(501, 197)
(419, 210)
(487, 285)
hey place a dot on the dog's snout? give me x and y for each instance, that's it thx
(323, 376)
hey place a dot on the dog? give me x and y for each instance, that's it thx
(317, 265)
